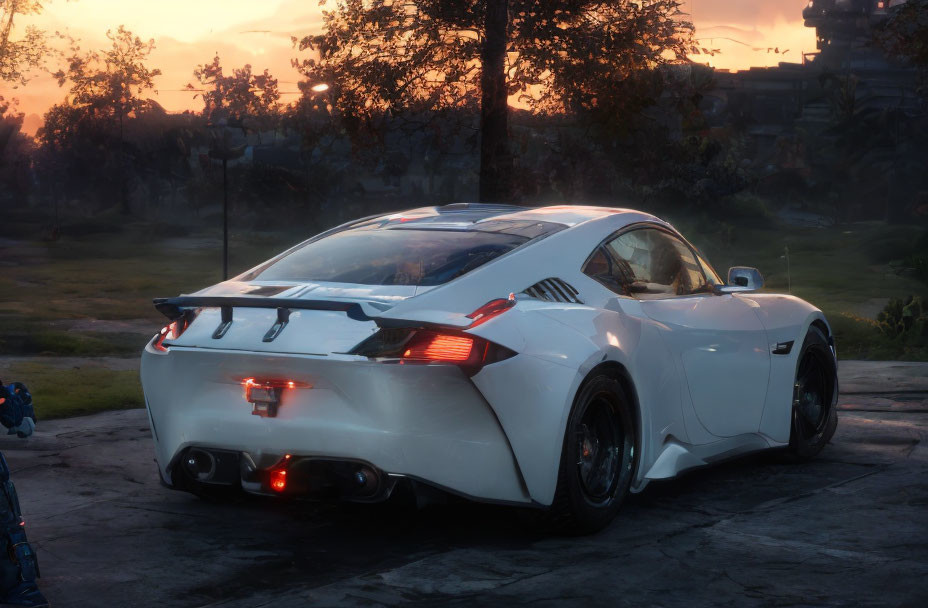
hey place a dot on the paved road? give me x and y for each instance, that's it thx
(849, 529)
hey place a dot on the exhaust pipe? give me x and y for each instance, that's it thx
(200, 464)
(207, 465)
(367, 482)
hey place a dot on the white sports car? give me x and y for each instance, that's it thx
(556, 357)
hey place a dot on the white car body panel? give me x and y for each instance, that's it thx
(699, 370)
(707, 334)
(432, 424)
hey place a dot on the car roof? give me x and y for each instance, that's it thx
(473, 213)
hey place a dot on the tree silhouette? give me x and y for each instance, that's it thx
(239, 95)
(554, 55)
(15, 151)
(28, 51)
(111, 81)
(106, 90)
(904, 35)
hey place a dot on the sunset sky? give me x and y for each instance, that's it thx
(189, 32)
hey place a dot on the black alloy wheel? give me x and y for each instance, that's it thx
(598, 458)
(599, 443)
(810, 411)
(815, 395)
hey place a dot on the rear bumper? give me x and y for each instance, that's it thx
(427, 422)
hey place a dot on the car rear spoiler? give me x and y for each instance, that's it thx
(173, 308)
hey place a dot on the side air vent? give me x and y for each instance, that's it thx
(554, 290)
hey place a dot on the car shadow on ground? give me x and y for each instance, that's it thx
(317, 543)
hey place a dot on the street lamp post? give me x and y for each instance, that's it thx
(222, 147)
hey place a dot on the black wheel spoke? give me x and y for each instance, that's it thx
(598, 449)
(803, 380)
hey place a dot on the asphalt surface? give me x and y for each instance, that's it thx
(847, 529)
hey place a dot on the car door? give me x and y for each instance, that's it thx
(717, 340)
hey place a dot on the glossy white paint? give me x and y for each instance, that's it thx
(721, 345)
(699, 370)
(424, 421)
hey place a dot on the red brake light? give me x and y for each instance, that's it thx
(431, 346)
(438, 345)
(278, 474)
(279, 480)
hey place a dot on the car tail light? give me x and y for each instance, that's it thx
(434, 346)
(411, 346)
(173, 331)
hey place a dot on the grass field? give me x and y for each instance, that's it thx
(61, 391)
(52, 289)
(90, 296)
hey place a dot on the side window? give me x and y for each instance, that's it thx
(604, 268)
(694, 281)
(711, 275)
(647, 264)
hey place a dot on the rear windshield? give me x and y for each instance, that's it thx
(394, 256)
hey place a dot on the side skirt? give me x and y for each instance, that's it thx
(676, 457)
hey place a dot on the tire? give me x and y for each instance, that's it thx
(814, 415)
(592, 483)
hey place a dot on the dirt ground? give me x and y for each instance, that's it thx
(848, 529)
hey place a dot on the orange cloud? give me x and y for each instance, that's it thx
(751, 32)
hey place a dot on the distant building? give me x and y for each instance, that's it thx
(769, 104)
(844, 34)
(843, 31)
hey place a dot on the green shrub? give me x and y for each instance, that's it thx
(905, 319)
(745, 205)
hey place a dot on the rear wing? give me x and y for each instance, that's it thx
(173, 308)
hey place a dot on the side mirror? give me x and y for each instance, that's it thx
(742, 278)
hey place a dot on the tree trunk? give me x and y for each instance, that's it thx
(123, 178)
(225, 221)
(495, 159)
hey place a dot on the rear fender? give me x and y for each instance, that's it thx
(532, 394)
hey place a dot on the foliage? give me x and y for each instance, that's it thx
(905, 319)
(905, 33)
(577, 56)
(84, 139)
(239, 95)
(16, 152)
(425, 55)
(110, 82)
(10, 122)
(869, 160)
(17, 56)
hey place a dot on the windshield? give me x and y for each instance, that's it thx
(403, 255)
